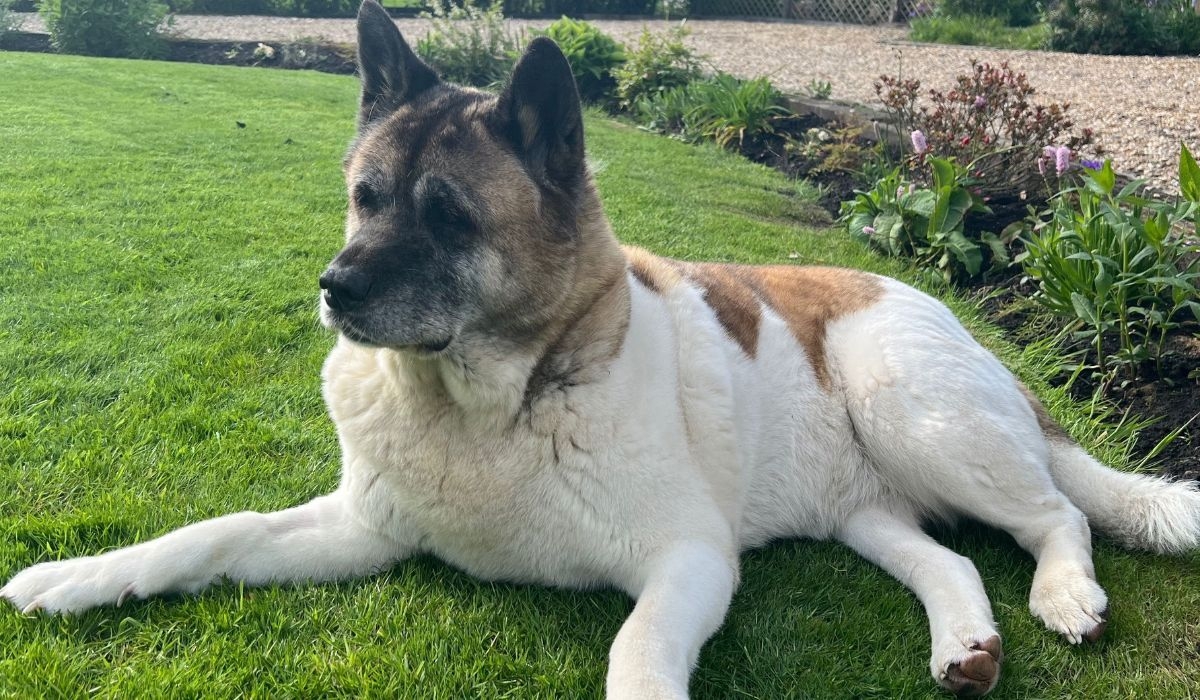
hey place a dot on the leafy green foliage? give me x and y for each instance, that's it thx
(971, 30)
(1123, 269)
(593, 56)
(1009, 13)
(1125, 27)
(900, 219)
(7, 20)
(287, 8)
(127, 28)
(658, 63)
(819, 89)
(724, 109)
(469, 45)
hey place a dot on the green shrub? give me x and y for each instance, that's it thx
(722, 108)
(593, 56)
(7, 20)
(1124, 270)
(577, 8)
(899, 218)
(1010, 13)
(1126, 27)
(658, 63)
(126, 28)
(469, 45)
(972, 30)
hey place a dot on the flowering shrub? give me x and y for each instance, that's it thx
(988, 119)
(899, 218)
(1123, 269)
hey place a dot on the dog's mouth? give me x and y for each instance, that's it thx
(357, 335)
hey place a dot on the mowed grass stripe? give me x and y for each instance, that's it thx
(159, 360)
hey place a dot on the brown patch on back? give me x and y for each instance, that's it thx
(656, 274)
(809, 298)
(1050, 427)
(733, 301)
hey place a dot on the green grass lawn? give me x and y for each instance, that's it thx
(159, 358)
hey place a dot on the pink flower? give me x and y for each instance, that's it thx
(869, 230)
(980, 102)
(920, 145)
(1041, 162)
(1062, 159)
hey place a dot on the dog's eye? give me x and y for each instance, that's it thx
(442, 212)
(365, 196)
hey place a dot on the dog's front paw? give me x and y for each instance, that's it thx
(69, 586)
(971, 670)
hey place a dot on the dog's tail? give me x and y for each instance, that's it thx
(1138, 511)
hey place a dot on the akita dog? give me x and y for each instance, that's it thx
(517, 394)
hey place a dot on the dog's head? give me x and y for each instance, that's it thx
(465, 207)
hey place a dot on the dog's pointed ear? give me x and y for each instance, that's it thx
(391, 73)
(540, 115)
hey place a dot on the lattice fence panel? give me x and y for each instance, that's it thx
(848, 11)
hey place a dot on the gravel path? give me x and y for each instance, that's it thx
(1140, 107)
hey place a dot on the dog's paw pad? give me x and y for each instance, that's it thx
(1096, 632)
(977, 672)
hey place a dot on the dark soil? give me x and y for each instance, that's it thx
(836, 181)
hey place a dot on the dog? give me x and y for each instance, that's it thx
(519, 395)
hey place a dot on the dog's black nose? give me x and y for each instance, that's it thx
(345, 288)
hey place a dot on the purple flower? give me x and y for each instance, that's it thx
(1091, 164)
(869, 230)
(980, 102)
(1041, 162)
(920, 145)
(1062, 160)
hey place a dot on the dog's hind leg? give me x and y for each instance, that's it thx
(966, 647)
(320, 540)
(1065, 594)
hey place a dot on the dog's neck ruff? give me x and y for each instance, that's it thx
(493, 382)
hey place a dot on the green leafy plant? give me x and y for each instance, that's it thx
(973, 30)
(126, 28)
(722, 108)
(1011, 13)
(1125, 27)
(659, 62)
(469, 45)
(820, 89)
(1123, 269)
(898, 218)
(593, 56)
(7, 20)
